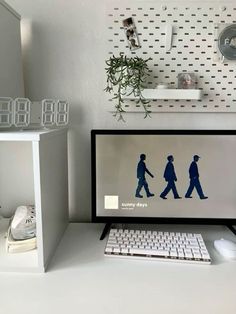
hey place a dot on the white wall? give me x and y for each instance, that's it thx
(64, 55)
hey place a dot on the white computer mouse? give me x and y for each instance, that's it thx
(226, 248)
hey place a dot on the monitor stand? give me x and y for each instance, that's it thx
(105, 230)
(231, 228)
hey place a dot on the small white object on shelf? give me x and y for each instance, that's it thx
(23, 223)
(19, 246)
(162, 86)
(158, 93)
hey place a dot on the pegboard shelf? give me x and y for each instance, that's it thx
(194, 49)
(152, 94)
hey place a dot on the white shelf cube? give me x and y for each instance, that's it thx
(34, 172)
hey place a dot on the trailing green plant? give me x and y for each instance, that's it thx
(126, 76)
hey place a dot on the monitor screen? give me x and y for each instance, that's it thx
(164, 175)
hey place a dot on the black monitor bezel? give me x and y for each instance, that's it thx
(159, 220)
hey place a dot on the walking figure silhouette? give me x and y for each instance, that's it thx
(170, 178)
(194, 180)
(141, 170)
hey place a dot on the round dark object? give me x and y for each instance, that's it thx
(227, 42)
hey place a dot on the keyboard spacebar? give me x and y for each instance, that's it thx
(149, 252)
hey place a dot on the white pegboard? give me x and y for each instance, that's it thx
(193, 49)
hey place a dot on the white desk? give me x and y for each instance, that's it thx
(81, 280)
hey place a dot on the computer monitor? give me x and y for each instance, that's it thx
(179, 176)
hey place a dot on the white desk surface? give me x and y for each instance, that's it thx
(81, 280)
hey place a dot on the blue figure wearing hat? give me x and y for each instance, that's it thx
(194, 180)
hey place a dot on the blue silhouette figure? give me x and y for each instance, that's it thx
(141, 170)
(170, 177)
(194, 180)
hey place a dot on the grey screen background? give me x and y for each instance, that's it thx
(117, 157)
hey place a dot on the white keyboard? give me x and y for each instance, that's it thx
(154, 245)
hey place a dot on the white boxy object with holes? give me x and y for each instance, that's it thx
(34, 171)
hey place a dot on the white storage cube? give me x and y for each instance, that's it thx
(34, 171)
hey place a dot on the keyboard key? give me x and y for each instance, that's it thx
(114, 245)
(148, 252)
(188, 255)
(187, 251)
(197, 255)
(206, 256)
(108, 249)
